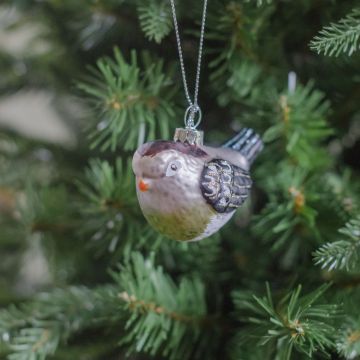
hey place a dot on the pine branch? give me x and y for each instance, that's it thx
(260, 2)
(110, 211)
(236, 70)
(24, 159)
(294, 323)
(109, 186)
(348, 340)
(301, 123)
(162, 317)
(34, 330)
(166, 319)
(183, 258)
(342, 254)
(340, 37)
(290, 213)
(47, 210)
(343, 193)
(155, 19)
(134, 105)
(227, 25)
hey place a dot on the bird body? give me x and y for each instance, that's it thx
(188, 191)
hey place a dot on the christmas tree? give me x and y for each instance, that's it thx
(83, 275)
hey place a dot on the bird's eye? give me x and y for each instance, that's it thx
(172, 168)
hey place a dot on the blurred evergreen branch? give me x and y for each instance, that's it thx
(183, 258)
(290, 213)
(134, 105)
(342, 254)
(155, 19)
(34, 330)
(344, 193)
(295, 195)
(112, 218)
(340, 37)
(237, 73)
(260, 2)
(348, 341)
(40, 212)
(301, 123)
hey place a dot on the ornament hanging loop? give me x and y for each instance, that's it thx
(191, 113)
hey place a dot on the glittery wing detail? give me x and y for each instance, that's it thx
(224, 186)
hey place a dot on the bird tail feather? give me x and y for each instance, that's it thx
(247, 142)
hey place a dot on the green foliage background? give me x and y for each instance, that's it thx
(281, 281)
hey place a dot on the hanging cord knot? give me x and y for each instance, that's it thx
(191, 113)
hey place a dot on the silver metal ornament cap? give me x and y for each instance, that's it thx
(190, 136)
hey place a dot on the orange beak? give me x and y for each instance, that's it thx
(143, 186)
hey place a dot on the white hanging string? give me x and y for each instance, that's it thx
(193, 105)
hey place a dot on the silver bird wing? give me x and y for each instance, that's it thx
(224, 186)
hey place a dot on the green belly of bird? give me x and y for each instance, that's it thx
(181, 225)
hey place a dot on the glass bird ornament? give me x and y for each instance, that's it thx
(187, 191)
